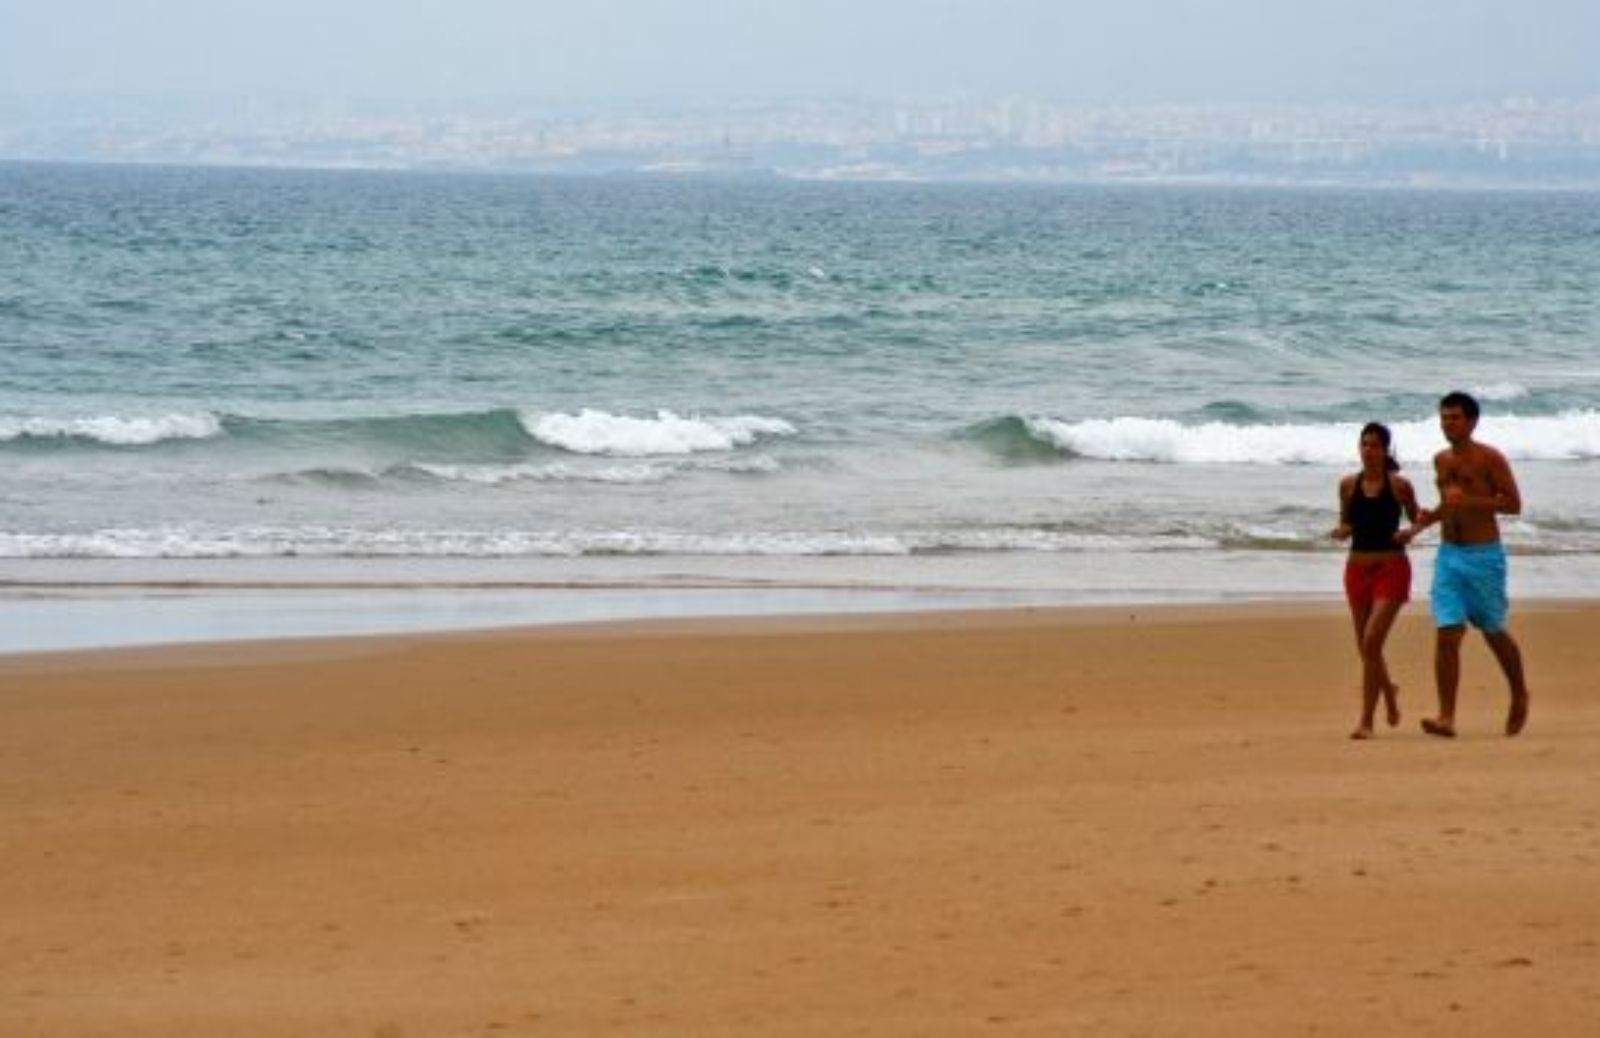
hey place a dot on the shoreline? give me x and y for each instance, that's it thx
(1129, 820)
(48, 605)
(152, 616)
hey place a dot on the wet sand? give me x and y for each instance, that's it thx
(1110, 821)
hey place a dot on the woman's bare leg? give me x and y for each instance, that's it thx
(1375, 680)
(1360, 615)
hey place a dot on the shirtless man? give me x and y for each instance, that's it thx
(1469, 581)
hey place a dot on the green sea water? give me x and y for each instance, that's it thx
(276, 365)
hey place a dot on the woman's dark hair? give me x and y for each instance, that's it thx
(1381, 431)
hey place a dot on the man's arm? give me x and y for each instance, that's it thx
(1507, 497)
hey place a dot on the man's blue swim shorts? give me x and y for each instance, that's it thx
(1469, 586)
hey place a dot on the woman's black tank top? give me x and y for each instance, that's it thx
(1374, 520)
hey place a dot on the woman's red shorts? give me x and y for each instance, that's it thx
(1381, 577)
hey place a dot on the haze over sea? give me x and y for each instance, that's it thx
(278, 376)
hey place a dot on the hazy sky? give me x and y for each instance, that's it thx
(1371, 51)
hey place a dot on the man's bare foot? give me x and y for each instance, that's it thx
(1443, 729)
(1362, 732)
(1391, 704)
(1518, 717)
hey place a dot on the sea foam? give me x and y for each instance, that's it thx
(651, 470)
(114, 430)
(599, 432)
(1571, 436)
(1500, 392)
(196, 542)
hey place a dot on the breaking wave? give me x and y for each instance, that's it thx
(111, 430)
(600, 432)
(1569, 436)
(489, 434)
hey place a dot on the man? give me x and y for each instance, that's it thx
(1469, 580)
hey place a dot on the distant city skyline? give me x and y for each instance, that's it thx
(676, 52)
(1517, 142)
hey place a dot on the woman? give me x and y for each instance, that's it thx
(1377, 577)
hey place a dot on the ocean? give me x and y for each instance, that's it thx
(262, 377)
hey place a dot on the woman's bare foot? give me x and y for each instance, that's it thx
(1391, 703)
(1362, 732)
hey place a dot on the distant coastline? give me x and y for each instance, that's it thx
(888, 177)
(1520, 143)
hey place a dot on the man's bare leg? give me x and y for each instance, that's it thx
(1510, 657)
(1446, 675)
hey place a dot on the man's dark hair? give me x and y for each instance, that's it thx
(1468, 405)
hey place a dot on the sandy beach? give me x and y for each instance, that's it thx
(1145, 820)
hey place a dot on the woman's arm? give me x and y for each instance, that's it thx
(1343, 531)
(1408, 497)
